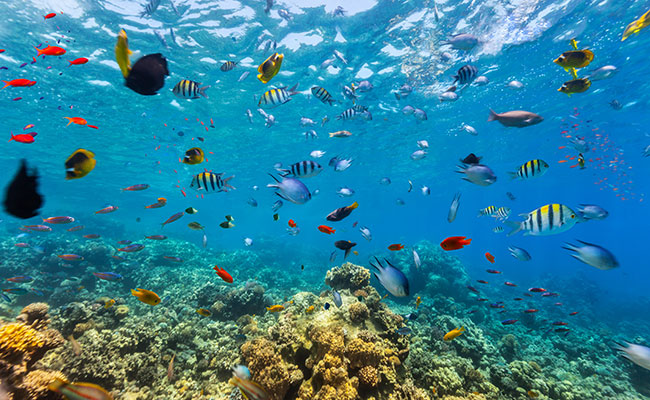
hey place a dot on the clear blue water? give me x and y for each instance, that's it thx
(390, 43)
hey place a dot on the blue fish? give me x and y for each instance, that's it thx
(16, 290)
(291, 189)
(392, 279)
(37, 292)
(326, 306)
(337, 298)
(5, 297)
(108, 276)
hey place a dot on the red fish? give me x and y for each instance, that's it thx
(22, 138)
(508, 283)
(455, 243)
(223, 274)
(292, 223)
(19, 83)
(106, 210)
(136, 188)
(492, 271)
(537, 290)
(78, 61)
(92, 236)
(161, 202)
(92, 126)
(50, 15)
(560, 323)
(50, 51)
(173, 218)
(574, 313)
(70, 257)
(326, 229)
(76, 120)
(24, 245)
(395, 247)
(75, 228)
(482, 281)
(489, 257)
(2, 51)
(531, 310)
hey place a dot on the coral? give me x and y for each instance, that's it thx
(348, 276)
(18, 340)
(267, 367)
(358, 312)
(35, 312)
(368, 376)
(509, 346)
(36, 383)
(121, 311)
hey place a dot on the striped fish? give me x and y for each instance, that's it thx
(323, 95)
(466, 74)
(210, 182)
(487, 211)
(347, 114)
(187, 89)
(275, 97)
(150, 7)
(498, 229)
(302, 169)
(530, 169)
(249, 389)
(546, 220)
(502, 213)
(359, 109)
(228, 66)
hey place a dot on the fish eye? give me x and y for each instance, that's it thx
(573, 215)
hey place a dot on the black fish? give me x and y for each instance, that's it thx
(345, 245)
(466, 74)
(22, 199)
(342, 212)
(147, 75)
(471, 159)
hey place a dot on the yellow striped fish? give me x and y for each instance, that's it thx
(210, 182)
(487, 211)
(546, 220)
(249, 389)
(228, 66)
(502, 213)
(323, 95)
(530, 169)
(275, 97)
(187, 89)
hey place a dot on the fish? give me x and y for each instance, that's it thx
(194, 156)
(507, 283)
(365, 232)
(147, 75)
(275, 97)
(604, 72)
(344, 245)
(395, 247)
(489, 210)
(420, 115)
(581, 161)
(418, 155)
(478, 174)
(453, 208)
(136, 188)
(109, 303)
(342, 212)
(481, 80)
(345, 192)
(291, 223)
(469, 129)
(326, 229)
(404, 331)
(275, 308)
(228, 66)
(58, 220)
(223, 274)
(509, 321)
(173, 258)
(249, 389)
(302, 169)
(16, 291)
(416, 260)
(132, 248)
(170, 366)
(38, 228)
(448, 96)
(76, 347)
(50, 15)
(79, 164)
(323, 95)
(76, 121)
(248, 242)
(455, 243)
(107, 210)
(489, 257)
(530, 169)
(537, 290)
(593, 255)
(519, 253)
(71, 257)
(108, 276)
(195, 226)
(462, 41)
(124, 242)
(204, 312)
(502, 213)
(20, 279)
(18, 83)
(78, 61)
(574, 59)
(188, 89)
(50, 51)
(160, 203)
(635, 27)
(453, 334)
(547, 220)
(517, 118)
(471, 159)
(22, 138)
(592, 211)
(466, 74)
(291, 189)
(22, 199)
(391, 278)
(156, 237)
(346, 115)
(340, 134)
(639, 355)
(492, 271)
(575, 86)
(276, 217)
(79, 390)
(270, 67)
(426, 191)
(338, 302)
(210, 182)
(191, 210)
(173, 218)
(122, 53)
(146, 296)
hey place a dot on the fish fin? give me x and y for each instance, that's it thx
(515, 226)
(12, 137)
(354, 205)
(283, 172)
(456, 77)
(202, 91)
(292, 90)
(493, 116)
(573, 73)
(513, 175)
(6, 84)
(40, 51)
(282, 196)
(569, 246)
(346, 253)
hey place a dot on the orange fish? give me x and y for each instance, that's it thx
(292, 223)
(71, 257)
(326, 229)
(19, 83)
(489, 257)
(22, 138)
(395, 247)
(455, 243)
(50, 51)
(161, 202)
(76, 120)
(78, 61)
(223, 274)
(50, 15)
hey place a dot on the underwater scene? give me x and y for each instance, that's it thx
(324, 200)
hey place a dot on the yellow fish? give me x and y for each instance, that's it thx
(79, 390)
(418, 301)
(194, 156)
(275, 308)
(310, 309)
(109, 303)
(122, 53)
(636, 26)
(146, 296)
(574, 59)
(575, 86)
(453, 334)
(269, 68)
(204, 312)
(79, 164)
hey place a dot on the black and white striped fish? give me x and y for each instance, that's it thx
(546, 220)
(187, 89)
(150, 7)
(359, 109)
(490, 210)
(302, 169)
(466, 74)
(228, 66)
(210, 182)
(347, 114)
(498, 229)
(502, 213)
(322, 94)
(275, 97)
(530, 169)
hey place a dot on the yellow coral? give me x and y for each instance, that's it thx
(18, 338)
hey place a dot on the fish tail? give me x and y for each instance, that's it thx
(12, 137)
(57, 385)
(493, 116)
(354, 205)
(40, 51)
(515, 226)
(292, 91)
(202, 91)
(6, 84)
(69, 120)
(513, 175)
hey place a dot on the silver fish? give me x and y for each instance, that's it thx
(594, 255)
(338, 301)
(418, 155)
(365, 232)
(463, 41)
(640, 355)
(519, 253)
(416, 260)
(277, 205)
(306, 122)
(478, 174)
(340, 56)
(453, 209)
(291, 189)
(420, 115)
(426, 191)
(604, 72)
(243, 76)
(391, 278)
(517, 118)
(345, 192)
